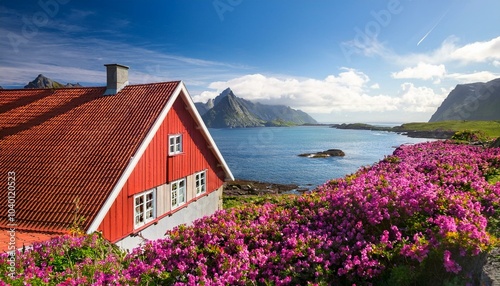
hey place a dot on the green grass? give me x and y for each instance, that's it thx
(229, 202)
(280, 123)
(490, 128)
(494, 176)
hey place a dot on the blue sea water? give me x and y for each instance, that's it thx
(270, 154)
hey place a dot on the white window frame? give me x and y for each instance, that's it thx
(178, 193)
(145, 210)
(174, 144)
(200, 182)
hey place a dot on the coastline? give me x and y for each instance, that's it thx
(430, 134)
(241, 187)
(432, 130)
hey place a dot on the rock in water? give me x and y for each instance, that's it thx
(324, 154)
(335, 152)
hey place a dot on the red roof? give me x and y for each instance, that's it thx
(68, 148)
(23, 239)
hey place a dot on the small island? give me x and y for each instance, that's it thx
(324, 154)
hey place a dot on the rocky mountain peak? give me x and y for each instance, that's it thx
(42, 81)
(228, 110)
(226, 92)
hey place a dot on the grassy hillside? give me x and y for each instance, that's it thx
(490, 128)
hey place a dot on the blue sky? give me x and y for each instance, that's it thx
(340, 61)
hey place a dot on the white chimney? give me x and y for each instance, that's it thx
(117, 78)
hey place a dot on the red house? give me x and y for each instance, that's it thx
(130, 161)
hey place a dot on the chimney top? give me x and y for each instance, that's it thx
(116, 78)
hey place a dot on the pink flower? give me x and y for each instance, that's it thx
(449, 264)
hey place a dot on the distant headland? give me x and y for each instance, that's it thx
(431, 130)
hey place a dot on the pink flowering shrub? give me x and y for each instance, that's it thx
(424, 208)
(65, 260)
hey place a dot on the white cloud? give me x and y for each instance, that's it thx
(482, 76)
(343, 92)
(349, 91)
(451, 51)
(436, 73)
(422, 71)
(375, 86)
(477, 52)
(420, 99)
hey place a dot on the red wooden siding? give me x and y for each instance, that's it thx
(196, 155)
(156, 168)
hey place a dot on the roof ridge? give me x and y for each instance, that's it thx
(46, 88)
(86, 87)
(154, 83)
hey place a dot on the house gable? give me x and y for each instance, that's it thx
(153, 168)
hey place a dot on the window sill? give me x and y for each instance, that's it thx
(178, 208)
(138, 229)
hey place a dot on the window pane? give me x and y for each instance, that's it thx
(179, 143)
(175, 144)
(138, 219)
(200, 183)
(174, 198)
(181, 197)
(139, 200)
(144, 206)
(182, 192)
(139, 210)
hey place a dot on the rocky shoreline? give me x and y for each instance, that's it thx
(431, 134)
(248, 187)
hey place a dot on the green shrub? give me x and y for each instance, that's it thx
(470, 136)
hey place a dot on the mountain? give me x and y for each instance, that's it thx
(473, 101)
(204, 107)
(42, 81)
(228, 110)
